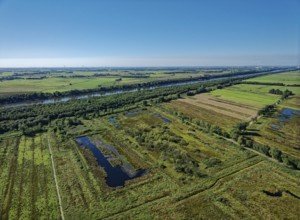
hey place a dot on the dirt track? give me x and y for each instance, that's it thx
(56, 182)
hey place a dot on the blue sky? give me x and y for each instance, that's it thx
(149, 32)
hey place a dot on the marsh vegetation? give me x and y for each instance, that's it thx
(226, 148)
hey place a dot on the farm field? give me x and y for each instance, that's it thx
(80, 80)
(233, 104)
(17, 82)
(287, 78)
(210, 109)
(20, 86)
(246, 96)
(183, 146)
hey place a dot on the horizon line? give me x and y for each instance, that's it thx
(162, 66)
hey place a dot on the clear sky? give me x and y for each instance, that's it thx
(149, 32)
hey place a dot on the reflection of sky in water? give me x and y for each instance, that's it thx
(116, 175)
(287, 114)
(162, 118)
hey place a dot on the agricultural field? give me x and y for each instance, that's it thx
(264, 89)
(13, 87)
(245, 95)
(207, 108)
(150, 159)
(80, 80)
(17, 82)
(287, 78)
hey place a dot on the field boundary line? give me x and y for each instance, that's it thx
(217, 180)
(135, 206)
(55, 179)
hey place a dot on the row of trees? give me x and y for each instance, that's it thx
(268, 110)
(284, 94)
(271, 152)
(41, 115)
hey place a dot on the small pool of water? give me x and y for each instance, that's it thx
(133, 113)
(117, 175)
(277, 126)
(114, 121)
(162, 118)
(288, 114)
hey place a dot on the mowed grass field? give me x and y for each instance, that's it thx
(12, 87)
(287, 78)
(245, 95)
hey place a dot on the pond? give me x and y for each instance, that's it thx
(162, 118)
(116, 175)
(276, 126)
(133, 113)
(288, 114)
(113, 120)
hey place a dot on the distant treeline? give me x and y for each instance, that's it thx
(44, 75)
(270, 84)
(42, 96)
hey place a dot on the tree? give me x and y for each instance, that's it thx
(276, 154)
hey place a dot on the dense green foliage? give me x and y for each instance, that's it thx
(31, 119)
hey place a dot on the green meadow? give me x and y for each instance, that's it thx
(288, 78)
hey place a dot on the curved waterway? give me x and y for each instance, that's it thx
(99, 94)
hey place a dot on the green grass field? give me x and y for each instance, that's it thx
(288, 78)
(245, 96)
(263, 89)
(53, 83)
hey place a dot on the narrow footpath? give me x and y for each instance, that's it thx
(56, 182)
